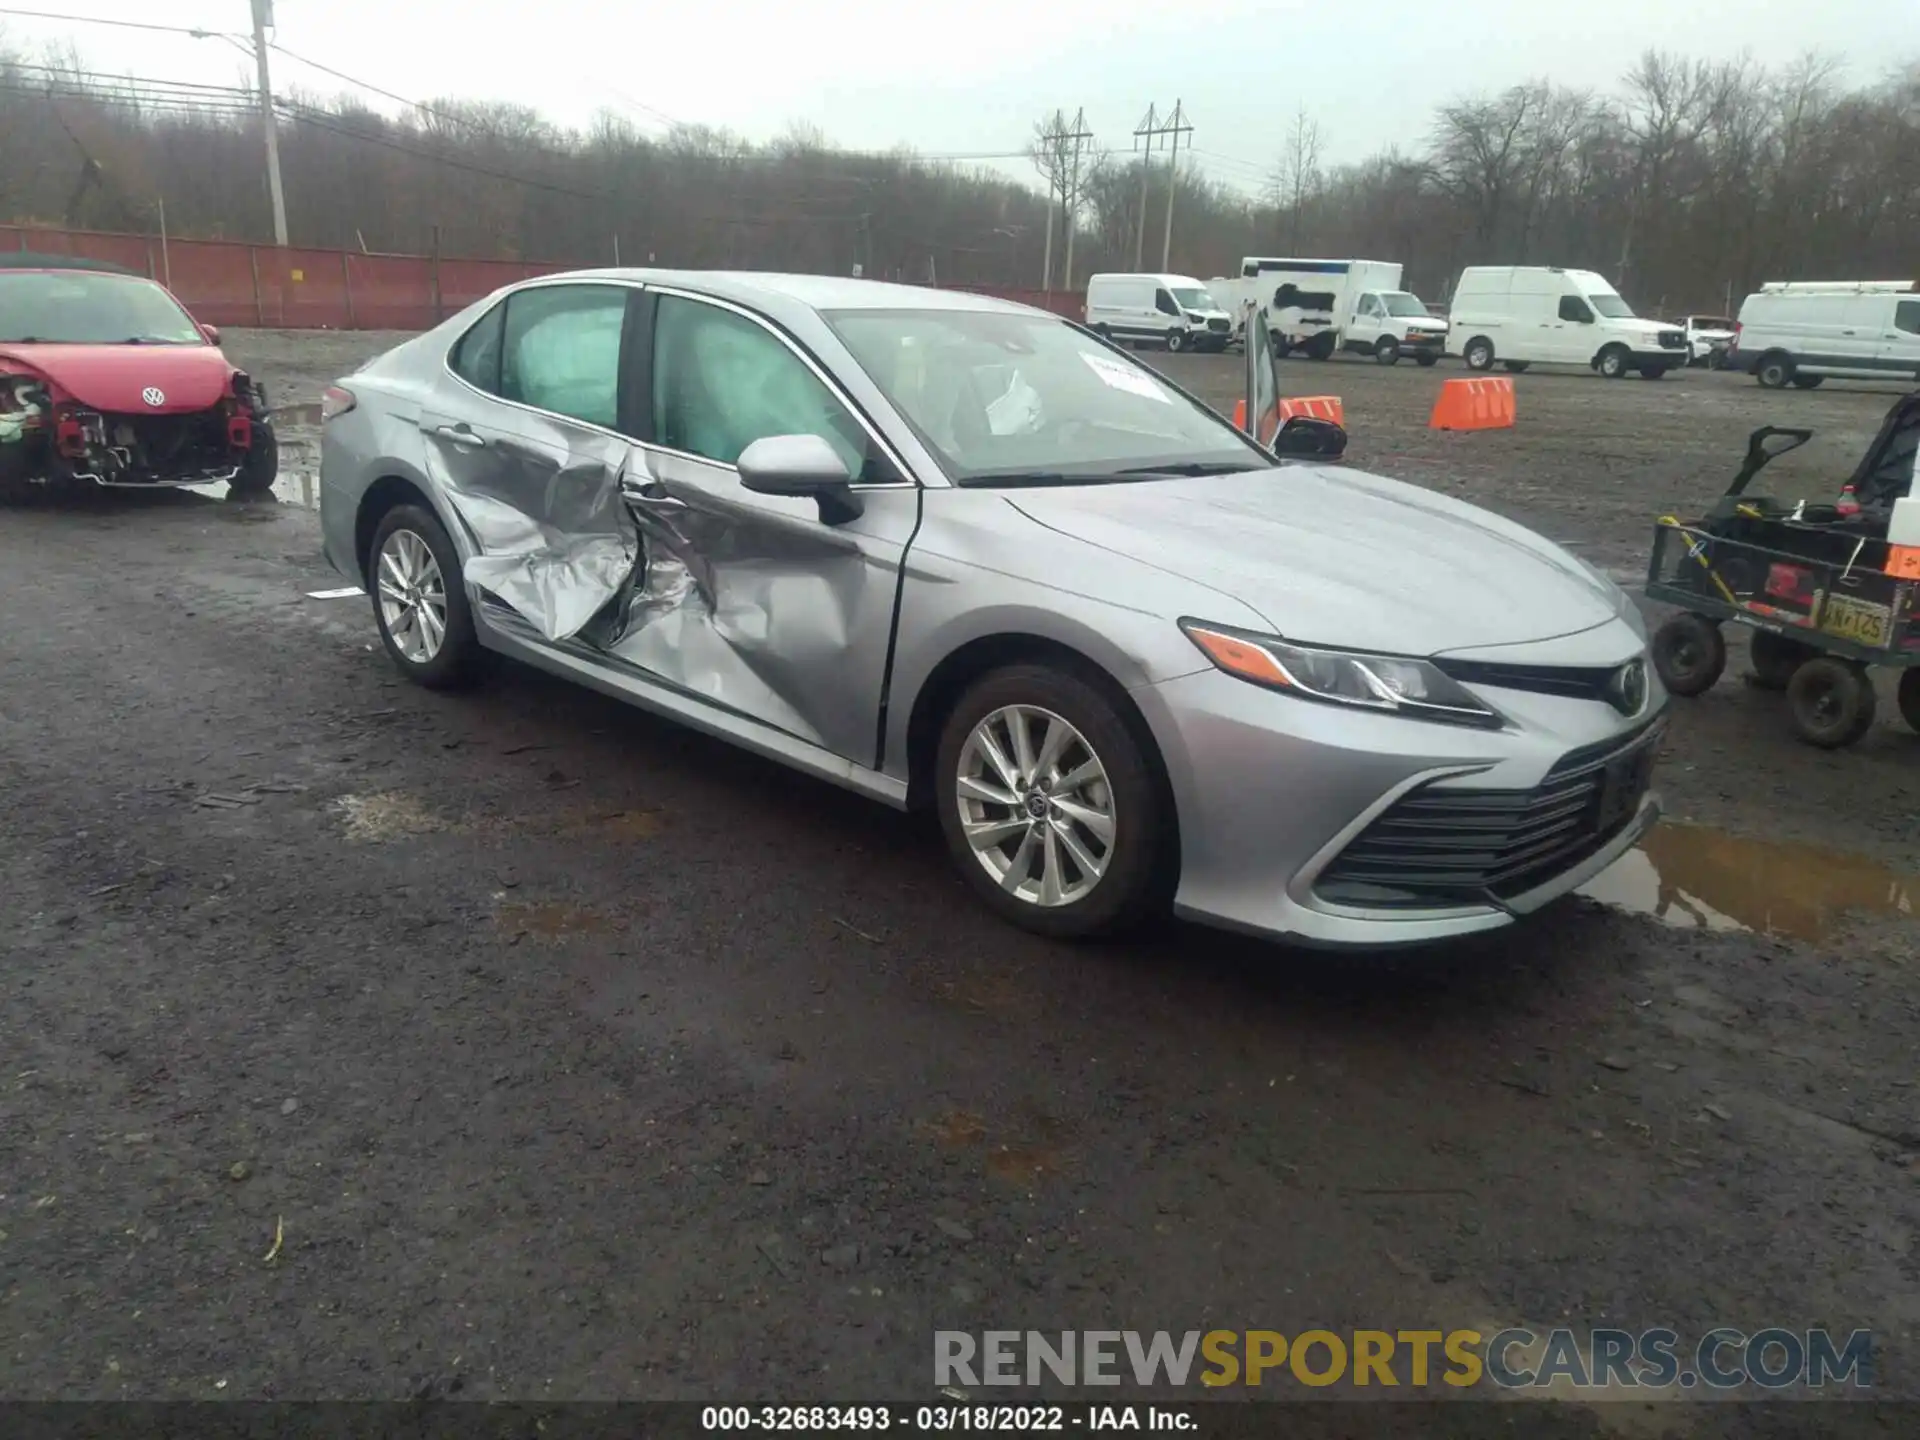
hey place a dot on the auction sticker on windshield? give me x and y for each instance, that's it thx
(1118, 376)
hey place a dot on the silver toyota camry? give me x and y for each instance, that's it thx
(958, 554)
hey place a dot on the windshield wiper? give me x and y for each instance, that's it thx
(1036, 478)
(147, 340)
(1195, 467)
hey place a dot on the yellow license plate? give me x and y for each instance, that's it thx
(1860, 621)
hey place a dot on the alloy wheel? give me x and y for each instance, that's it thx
(413, 596)
(1035, 805)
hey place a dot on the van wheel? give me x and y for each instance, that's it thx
(1614, 362)
(1479, 353)
(1773, 371)
(1516, 367)
(1387, 352)
(1807, 382)
(1689, 653)
(1176, 341)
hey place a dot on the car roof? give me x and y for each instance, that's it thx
(768, 290)
(27, 260)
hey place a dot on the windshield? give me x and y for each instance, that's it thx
(1195, 299)
(1399, 302)
(1611, 306)
(79, 307)
(1029, 399)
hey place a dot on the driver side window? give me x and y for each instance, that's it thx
(722, 381)
(1573, 308)
(1163, 302)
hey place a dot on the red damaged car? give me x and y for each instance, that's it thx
(105, 379)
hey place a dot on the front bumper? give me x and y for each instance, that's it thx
(1271, 791)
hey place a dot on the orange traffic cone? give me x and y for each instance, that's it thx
(1240, 414)
(1321, 407)
(1485, 404)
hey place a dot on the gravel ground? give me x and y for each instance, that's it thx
(555, 1052)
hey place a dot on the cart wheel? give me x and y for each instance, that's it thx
(1909, 696)
(1832, 702)
(1775, 658)
(1689, 652)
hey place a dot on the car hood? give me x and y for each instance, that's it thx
(117, 377)
(1638, 325)
(1337, 557)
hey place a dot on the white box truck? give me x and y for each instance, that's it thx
(1320, 306)
(1520, 315)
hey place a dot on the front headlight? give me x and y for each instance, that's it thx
(1401, 685)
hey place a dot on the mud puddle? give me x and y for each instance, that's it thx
(1694, 877)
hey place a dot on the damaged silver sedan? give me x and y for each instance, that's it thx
(958, 554)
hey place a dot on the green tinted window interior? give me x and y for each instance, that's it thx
(722, 381)
(562, 351)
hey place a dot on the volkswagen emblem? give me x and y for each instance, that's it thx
(1627, 687)
(153, 396)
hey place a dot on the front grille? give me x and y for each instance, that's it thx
(1439, 846)
(1219, 324)
(1577, 682)
(1672, 340)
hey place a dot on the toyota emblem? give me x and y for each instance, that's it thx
(1627, 689)
(153, 396)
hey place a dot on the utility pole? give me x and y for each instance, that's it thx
(1176, 127)
(262, 20)
(1080, 133)
(1146, 130)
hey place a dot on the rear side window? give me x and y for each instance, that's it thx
(476, 355)
(1906, 316)
(561, 351)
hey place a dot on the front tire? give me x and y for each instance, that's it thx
(1832, 702)
(419, 600)
(1478, 354)
(1387, 352)
(1689, 652)
(1613, 362)
(260, 469)
(1176, 341)
(1050, 804)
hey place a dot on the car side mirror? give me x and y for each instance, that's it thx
(802, 466)
(1309, 435)
(212, 332)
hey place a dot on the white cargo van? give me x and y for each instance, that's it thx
(1320, 306)
(1521, 315)
(1171, 310)
(1801, 333)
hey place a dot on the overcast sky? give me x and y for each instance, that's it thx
(972, 78)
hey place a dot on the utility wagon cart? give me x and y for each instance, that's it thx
(1826, 595)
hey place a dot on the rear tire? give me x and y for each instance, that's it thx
(1773, 371)
(395, 570)
(1613, 362)
(261, 468)
(1127, 800)
(1478, 354)
(1775, 658)
(1689, 653)
(1831, 701)
(1387, 351)
(1909, 697)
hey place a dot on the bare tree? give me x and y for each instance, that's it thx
(1297, 178)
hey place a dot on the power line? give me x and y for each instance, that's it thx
(197, 34)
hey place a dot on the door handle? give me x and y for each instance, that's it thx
(462, 434)
(651, 495)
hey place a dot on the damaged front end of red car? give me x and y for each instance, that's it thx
(50, 440)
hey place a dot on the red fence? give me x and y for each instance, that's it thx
(230, 282)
